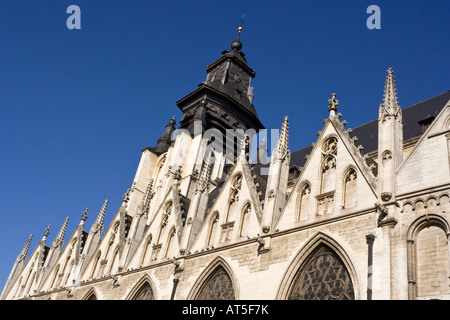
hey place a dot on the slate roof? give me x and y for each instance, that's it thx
(412, 116)
(368, 133)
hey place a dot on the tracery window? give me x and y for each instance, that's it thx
(323, 277)
(145, 293)
(218, 286)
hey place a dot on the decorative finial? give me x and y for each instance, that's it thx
(236, 44)
(245, 146)
(47, 231)
(126, 196)
(332, 104)
(84, 215)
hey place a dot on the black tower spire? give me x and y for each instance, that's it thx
(225, 100)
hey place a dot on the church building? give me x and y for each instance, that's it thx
(360, 214)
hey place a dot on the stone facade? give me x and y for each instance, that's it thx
(201, 222)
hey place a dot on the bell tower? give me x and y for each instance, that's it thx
(225, 100)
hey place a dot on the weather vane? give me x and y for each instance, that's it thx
(242, 22)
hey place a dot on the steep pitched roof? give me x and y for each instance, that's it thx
(368, 133)
(412, 116)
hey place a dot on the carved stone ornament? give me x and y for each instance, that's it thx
(386, 196)
(329, 147)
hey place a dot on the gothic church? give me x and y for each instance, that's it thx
(360, 214)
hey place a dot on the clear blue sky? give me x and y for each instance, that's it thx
(78, 106)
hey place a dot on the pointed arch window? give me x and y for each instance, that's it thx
(328, 174)
(66, 279)
(303, 204)
(30, 284)
(157, 179)
(170, 239)
(218, 286)
(147, 248)
(213, 229)
(432, 262)
(323, 276)
(246, 211)
(92, 296)
(145, 292)
(350, 185)
(96, 265)
(55, 276)
(114, 262)
(328, 168)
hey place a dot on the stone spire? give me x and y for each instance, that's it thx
(60, 237)
(23, 254)
(51, 257)
(283, 140)
(277, 180)
(390, 140)
(390, 102)
(93, 239)
(98, 224)
(17, 268)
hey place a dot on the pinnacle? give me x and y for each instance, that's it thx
(25, 249)
(101, 215)
(47, 231)
(283, 140)
(63, 229)
(84, 215)
(390, 92)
